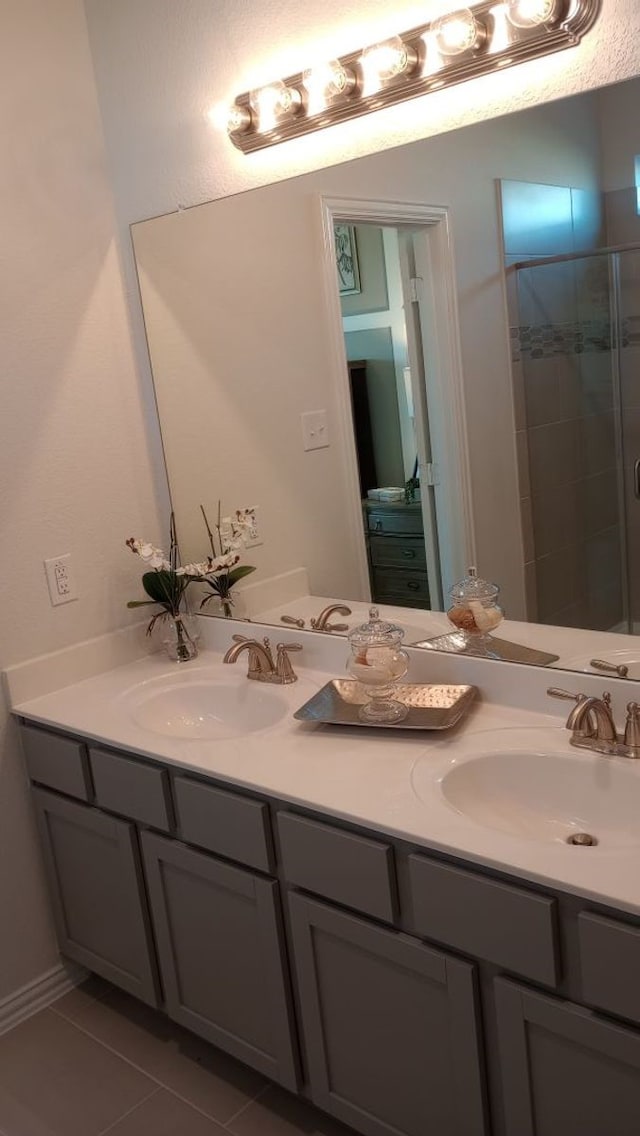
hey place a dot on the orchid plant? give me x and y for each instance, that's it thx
(166, 582)
(223, 567)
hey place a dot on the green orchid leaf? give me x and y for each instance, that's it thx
(141, 603)
(238, 573)
(164, 587)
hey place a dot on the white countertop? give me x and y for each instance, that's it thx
(369, 776)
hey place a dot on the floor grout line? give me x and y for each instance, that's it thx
(246, 1105)
(185, 1100)
(109, 1127)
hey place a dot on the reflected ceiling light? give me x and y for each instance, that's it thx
(459, 32)
(460, 45)
(533, 13)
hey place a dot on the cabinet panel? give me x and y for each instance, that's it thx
(390, 1027)
(610, 964)
(60, 763)
(227, 823)
(340, 865)
(565, 1072)
(95, 880)
(131, 788)
(221, 955)
(398, 552)
(510, 926)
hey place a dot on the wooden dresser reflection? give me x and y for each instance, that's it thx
(397, 559)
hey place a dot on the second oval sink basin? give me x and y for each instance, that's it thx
(544, 796)
(204, 705)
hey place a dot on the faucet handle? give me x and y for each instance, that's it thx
(284, 670)
(557, 692)
(632, 728)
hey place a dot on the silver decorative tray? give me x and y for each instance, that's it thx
(431, 707)
(491, 648)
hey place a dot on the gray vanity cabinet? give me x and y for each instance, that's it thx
(565, 1070)
(221, 953)
(97, 891)
(390, 1027)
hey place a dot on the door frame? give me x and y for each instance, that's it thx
(444, 379)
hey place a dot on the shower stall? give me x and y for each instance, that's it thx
(576, 367)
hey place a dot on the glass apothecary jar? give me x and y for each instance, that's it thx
(378, 662)
(474, 610)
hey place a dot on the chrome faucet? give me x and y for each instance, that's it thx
(321, 623)
(261, 665)
(593, 726)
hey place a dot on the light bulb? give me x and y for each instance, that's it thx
(459, 32)
(238, 119)
(387, 60)
(274, 102)
(326, 82)
(532, 13)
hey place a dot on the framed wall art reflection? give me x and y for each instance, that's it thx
(347, 260)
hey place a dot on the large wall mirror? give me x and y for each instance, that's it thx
(463, 375)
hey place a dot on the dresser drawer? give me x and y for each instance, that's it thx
(231, 825)
(339, 865)
(397, 551)
(58, 762)
(610, 964)
(131, 788)
(506, 925)
(401, 586)
(399, 520)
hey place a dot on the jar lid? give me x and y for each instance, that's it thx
(473, 587)
(376, 632)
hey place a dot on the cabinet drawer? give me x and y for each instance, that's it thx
(401, 586)
(131, 788)
(401, 520)
(506, 925)
(339, 865)
(60, 763)
(610, 964)
(390, 551)
(233, 826)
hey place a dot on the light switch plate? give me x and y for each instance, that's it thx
(315, 431)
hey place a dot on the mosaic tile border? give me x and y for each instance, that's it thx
(578, 337)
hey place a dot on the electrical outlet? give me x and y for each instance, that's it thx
(253, 537)
(62, 586)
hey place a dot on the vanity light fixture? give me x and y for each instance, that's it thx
(460, 45)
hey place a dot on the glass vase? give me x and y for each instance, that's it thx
(180, 636)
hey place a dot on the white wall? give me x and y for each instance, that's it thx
(75, 453)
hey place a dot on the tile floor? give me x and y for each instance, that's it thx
(98, 1061)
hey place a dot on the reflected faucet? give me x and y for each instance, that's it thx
(261, 665)
(321, 623)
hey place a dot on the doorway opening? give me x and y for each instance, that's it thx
(390, 288)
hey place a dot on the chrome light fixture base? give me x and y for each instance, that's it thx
(499, 44)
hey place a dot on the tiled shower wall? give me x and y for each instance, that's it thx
(566, 433)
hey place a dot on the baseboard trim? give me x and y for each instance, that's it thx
(39, 994)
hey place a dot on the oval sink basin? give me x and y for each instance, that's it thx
(544, 796)
(204, 705)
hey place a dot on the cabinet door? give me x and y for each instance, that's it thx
(564, 1069)
(390, 1027)
(221, 954)
(95, 879)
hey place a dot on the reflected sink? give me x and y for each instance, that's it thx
(204, 704)
(543, 796)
